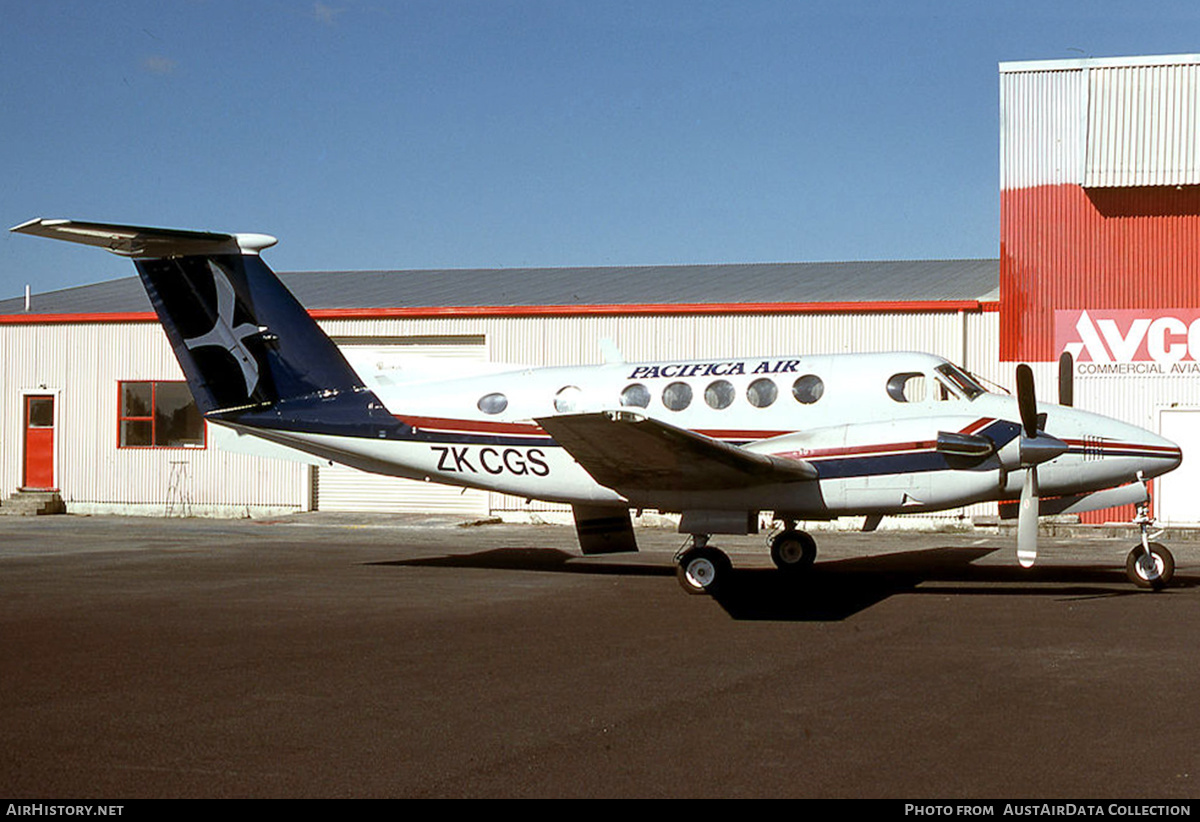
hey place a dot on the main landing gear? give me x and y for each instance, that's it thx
(703, 569)
(793, 551)
(1149, 564)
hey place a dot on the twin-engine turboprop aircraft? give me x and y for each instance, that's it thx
(717, 441)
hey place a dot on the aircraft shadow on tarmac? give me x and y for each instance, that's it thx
(834, 589)
(838, 589)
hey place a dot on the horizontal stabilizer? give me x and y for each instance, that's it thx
(630, 452)
(141, 241)
(251, 353)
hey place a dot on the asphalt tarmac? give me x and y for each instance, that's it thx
(324, 656)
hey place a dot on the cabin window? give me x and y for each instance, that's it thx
(494, 403)
(719, 394)
(907, 387)
(808, 389)
(567, 399)
(762, 392)
(159, 415)
(677, 396)
(635, 395)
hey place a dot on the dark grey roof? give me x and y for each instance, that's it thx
(909, 281)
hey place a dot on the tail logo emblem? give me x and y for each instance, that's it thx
(225, 335)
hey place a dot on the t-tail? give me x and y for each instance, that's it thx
(250, 352)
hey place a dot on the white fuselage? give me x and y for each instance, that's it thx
(868, 422)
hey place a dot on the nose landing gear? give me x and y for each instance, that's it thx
(1149, 564)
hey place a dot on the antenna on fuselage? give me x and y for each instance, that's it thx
(609, 352)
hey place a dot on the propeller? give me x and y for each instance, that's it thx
(1027, 400)
(1027, 519)
(1066, 379)
(1036, 447)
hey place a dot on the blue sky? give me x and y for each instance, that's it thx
(368, 134)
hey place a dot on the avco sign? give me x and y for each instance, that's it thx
(1135, 342)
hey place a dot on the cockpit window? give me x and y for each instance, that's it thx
(961, 380)
(942, 390)
(907, 387)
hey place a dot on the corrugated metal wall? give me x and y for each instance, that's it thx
(1100, 123)
(1099, 163)
(1043, 127)
(568, 340)
(341, 488)
(1142, 126)
(1070, 247)
(1100, 209)
(81, 365)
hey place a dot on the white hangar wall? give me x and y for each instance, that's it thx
(967, 337)
(83, 364)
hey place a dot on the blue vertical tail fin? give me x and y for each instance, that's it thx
(251, 353)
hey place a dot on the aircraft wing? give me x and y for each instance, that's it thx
(628, 451)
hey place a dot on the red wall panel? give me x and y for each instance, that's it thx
(1063, 246)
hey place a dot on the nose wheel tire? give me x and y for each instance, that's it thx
(1150, 571)
(793, 551)
(703, 571)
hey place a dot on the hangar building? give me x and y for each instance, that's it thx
(1100, 203)
(1100, 241)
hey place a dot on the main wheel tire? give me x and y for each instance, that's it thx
(1144, 575)
(793, 551)
(703, 571)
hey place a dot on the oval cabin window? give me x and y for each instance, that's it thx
(808, 389)
(762, 392)
(492, 403)
(635, 396)
(567, 399)
(719, 394)
(677, 396)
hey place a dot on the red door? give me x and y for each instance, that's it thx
(39, 442)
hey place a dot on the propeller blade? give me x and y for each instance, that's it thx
(1066, 379)
(1027, 520)
(1027, 400)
